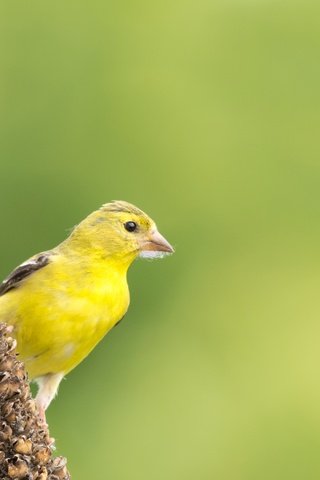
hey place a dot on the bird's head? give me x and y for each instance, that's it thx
(121, 230)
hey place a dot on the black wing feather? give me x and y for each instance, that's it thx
(20, 273)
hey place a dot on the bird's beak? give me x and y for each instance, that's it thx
(156, 243)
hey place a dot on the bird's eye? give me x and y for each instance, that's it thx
(130, 226)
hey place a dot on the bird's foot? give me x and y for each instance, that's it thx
(44, 424)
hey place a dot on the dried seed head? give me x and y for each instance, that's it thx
(30, 406)
(7, 363)
(8, 412)
(5, 432)
(2, 456)
(17, 468)
(12, 344)
(42, 456)
(42, 474)
(25, 444)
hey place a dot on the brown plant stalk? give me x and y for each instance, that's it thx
(26, 450)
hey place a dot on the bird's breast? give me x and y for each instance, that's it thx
(99, 306)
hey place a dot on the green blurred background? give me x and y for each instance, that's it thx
(206, 115)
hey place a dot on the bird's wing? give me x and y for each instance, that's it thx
(24, 270)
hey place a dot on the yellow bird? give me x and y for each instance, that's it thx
(62, 302)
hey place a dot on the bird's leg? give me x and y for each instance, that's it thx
(42, 414)
(48, 387)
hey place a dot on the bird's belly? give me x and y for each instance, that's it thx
(67, 329)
